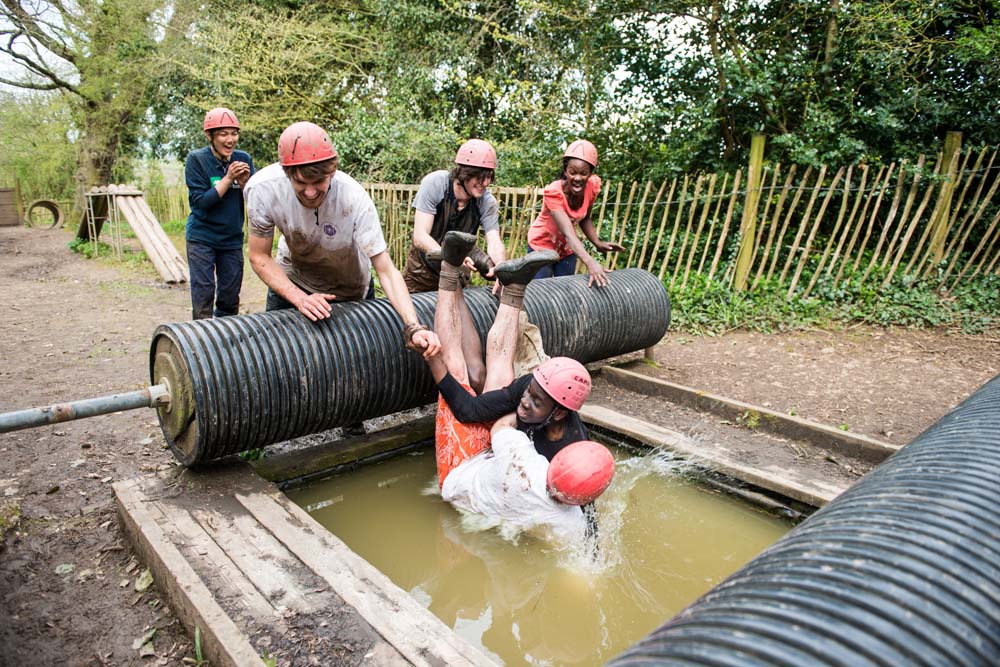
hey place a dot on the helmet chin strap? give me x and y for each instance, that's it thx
(461, 184)
(531, 429)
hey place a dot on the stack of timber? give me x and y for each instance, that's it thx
(132, 206)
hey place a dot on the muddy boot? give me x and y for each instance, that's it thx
(520, 271)
(455, 247)
(482, 262)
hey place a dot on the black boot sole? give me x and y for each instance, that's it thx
(456, 246)
(520, 271)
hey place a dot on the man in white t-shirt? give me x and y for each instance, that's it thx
(331, 235)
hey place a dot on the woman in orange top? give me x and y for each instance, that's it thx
(567, 203)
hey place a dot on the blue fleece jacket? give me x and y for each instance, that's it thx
(215, 221)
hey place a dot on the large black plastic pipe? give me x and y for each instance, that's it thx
(903, 569)
(237, 383)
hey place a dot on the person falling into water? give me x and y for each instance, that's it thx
(508, 481)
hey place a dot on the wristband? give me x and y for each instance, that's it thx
(410, 329)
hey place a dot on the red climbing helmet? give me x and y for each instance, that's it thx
(477, 153)
(581, 149)
(220, 117)
(304, 143)
(580, 472)
(565, 380)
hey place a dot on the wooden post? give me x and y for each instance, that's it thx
(17, 201)
(748, 224)
(942, 211)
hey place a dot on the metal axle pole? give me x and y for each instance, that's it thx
(151, 397)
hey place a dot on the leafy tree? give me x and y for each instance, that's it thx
(98, 54)
(37, 151)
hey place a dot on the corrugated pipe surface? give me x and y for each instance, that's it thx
(243, 382)
(903, 569)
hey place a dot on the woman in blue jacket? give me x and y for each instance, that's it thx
(215, 177)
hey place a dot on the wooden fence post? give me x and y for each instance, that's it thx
(748, 224)
(942, 211)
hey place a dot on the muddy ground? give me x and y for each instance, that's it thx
(73, 328)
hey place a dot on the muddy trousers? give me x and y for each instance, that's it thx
(216, 277)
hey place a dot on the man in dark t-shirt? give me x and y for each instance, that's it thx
(544, 402)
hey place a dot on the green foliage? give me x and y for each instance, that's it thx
(38, 152)
(712, 307)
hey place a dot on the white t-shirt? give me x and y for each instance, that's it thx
(507, 484)
(321, 250)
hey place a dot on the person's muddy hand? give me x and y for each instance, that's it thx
(315, 306)
(422, 340)
(606, 247)
(428, 341)
(598, 275)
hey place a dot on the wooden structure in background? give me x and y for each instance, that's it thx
(114, 203)
(8, 208)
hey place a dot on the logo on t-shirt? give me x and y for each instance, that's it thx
(329, 230)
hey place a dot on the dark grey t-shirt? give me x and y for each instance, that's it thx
(434, 188)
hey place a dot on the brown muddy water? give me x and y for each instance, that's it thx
(664, 541)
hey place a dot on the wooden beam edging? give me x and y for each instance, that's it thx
(413, 630)
(314, 462)
(223, 643)
(815, 493)
(821, 435)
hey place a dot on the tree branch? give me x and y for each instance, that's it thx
(16, 14)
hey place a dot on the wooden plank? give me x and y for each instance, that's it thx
(871, 221)
(789, 426)
(141, 229)
(768, 200)
(833, 235)
(260, 557)
(692, 209)
(190, 599)
(867, 196)
(715, 456)
(973, 215)
(416, 633)
(638, 222)
(649, 224)
(901, 251)
(196, 545)
(911, 197)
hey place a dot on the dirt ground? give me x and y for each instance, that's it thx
(73, 328)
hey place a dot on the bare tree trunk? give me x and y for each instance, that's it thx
(831, 33)
(725, 120)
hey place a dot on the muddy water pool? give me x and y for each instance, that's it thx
(663, 541)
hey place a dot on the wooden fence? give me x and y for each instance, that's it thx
(799, 227)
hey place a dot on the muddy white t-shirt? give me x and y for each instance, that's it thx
(507, 484)
(321, 250)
